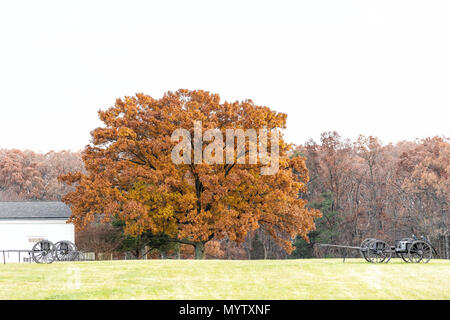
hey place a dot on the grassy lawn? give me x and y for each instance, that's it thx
(215, 279)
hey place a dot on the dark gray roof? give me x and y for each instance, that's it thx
(34, 210)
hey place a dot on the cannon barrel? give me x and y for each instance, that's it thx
(339, 246)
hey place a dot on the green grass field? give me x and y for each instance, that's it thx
(215, 279)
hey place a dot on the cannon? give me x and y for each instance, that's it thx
(45, 251)
(411, 250)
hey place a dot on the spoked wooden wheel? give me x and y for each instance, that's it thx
(405, 257)
(43, 252)
(65, 251)
(420, 251)
(378, 251)
(364, 245)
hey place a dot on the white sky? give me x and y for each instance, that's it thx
(370, 67)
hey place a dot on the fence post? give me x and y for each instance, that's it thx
(447, 256)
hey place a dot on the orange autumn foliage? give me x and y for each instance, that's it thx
(130, 175)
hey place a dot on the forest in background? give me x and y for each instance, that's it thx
(364, 189)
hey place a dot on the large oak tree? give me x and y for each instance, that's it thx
(131, 176)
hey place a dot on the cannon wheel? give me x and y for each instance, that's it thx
(420, 251)
(65, 251)
(43, 252)
(405, 257)
(378, 251)
(364, 246)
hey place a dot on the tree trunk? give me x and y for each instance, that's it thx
(199, 250)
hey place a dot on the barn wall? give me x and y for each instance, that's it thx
(23, 234)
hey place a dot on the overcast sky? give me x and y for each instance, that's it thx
(373, 67)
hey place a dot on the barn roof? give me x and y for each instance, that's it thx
(34, 210)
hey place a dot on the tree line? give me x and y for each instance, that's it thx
(29, 175)
(363, 188)
(366, 189)
(127, 195)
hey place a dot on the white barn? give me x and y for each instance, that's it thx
(22, 224)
